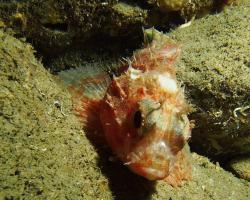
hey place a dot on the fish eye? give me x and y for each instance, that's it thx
(137, 119)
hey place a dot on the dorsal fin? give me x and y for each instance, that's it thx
(92, 80)
(87, 86)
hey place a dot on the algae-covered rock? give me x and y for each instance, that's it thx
(214, 68)
(44, 154)
(169, 5)
(178, 5)
(54, 26)
(209, 182)
(190, 9)
(241, 167)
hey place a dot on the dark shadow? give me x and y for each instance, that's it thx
(63, 27)
(123, 183)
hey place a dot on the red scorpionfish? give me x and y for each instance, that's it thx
(142, 113)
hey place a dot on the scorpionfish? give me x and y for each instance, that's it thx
(142, 113)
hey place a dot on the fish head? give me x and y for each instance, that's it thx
(143, 115)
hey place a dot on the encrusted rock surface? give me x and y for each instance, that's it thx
(44, 154)
(215, 69)
(57, 25)
(241, 167)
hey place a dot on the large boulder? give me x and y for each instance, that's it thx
(215, 70)
(44, 154)
(54, 26)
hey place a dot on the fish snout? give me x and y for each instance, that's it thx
(152, 161)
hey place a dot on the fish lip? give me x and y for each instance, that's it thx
(151, 162)
(150, 172)
(154, 174)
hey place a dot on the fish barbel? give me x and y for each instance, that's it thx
(142, 113)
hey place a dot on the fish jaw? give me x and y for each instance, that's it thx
(150, 150)
(144, 115)
(152, 162)
(154, 156)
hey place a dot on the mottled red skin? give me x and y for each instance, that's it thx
(113, 115)
(146, 59)
(115, 133)
(120, 105)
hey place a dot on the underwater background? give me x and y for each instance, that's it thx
(44, 152)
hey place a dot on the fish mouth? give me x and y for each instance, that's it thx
(154, 155)
(152, 161)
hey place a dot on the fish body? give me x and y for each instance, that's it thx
(142, 113)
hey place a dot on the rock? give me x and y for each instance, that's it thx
(54, 26)
(215, 70)
(44, 153)
(190, 9)
(240, 167)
